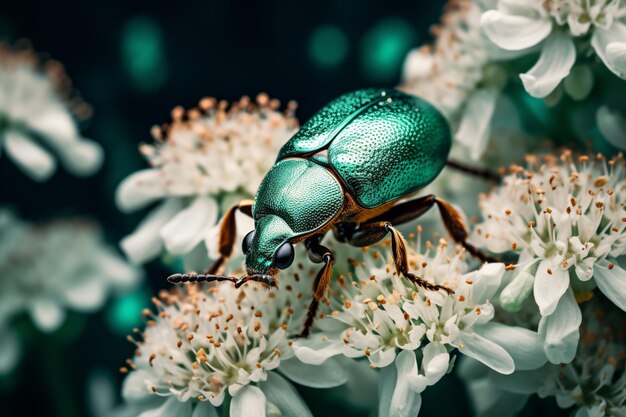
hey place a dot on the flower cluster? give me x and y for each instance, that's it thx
(458, 74)
(411, 333)
(560, 28)
(210, 347)
(567, 222)
(201, 163)
(50, 268)
(37, 115)
(593, 384)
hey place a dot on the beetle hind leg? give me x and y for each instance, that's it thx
(452, 220)
(373, 232)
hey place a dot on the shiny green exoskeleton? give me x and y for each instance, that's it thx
(379, 145)
(345, 170)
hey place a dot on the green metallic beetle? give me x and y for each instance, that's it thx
(345, 170)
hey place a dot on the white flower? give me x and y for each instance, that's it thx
(50, 268)
(411, 333)
(567, 222)
(593, 384)
(553, 25)
(36, 117)
(201, 164)
(458, 74)
(208, 348)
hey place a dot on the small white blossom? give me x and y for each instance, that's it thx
(36, 117)
(203, 162)
(554, 26)
(592, 385)
(50, 268)
(567, 222)
(411, 333)
(458, 74)
(208, 347)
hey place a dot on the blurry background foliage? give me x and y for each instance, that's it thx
(134, 61)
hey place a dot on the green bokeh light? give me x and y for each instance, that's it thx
(328, 46)
(142, 53)
(383, 48)
(124, 312)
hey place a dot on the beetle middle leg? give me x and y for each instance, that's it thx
(373, 232)
(318, 254)
(453, 221)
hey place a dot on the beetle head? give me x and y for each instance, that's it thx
(268, 248)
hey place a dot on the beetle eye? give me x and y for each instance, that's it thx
(284, 256)
(247, 242)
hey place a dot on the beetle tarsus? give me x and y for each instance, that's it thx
(421, 282)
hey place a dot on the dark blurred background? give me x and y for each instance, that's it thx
(133, 62)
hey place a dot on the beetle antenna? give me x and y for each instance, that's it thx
(186, 278)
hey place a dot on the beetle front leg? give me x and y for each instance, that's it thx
(318, 253)
(373, 232)
(228, 234)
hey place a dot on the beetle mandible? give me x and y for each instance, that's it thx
(345, 170)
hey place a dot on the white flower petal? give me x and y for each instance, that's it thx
(86, 294)
(54, 124)
(329, 374)
(612, 125)
(435, 362)
(386, 387)
(145, 243)
(612, 283)
(37, 162)
(182, 233)
(555, 62)
(118, 273)
(551, 282)
(204, 409)
(318, 347)
(524, 346)
(560, 330)
(405, 400)
(249, 402)
(82, 157)
(487, 352)
(610, 46)
(281, 393)
(487, 282)
(616, 55)
(516, 292)
(47, 314)
(171, 407)
(140, 189)
(474, 128)
(134, 388)
(514, 32)
(9, 350)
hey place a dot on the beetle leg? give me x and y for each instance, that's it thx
(373, 232)
(453, 221)
(321, 254)
(485, 174)
(228, 233)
